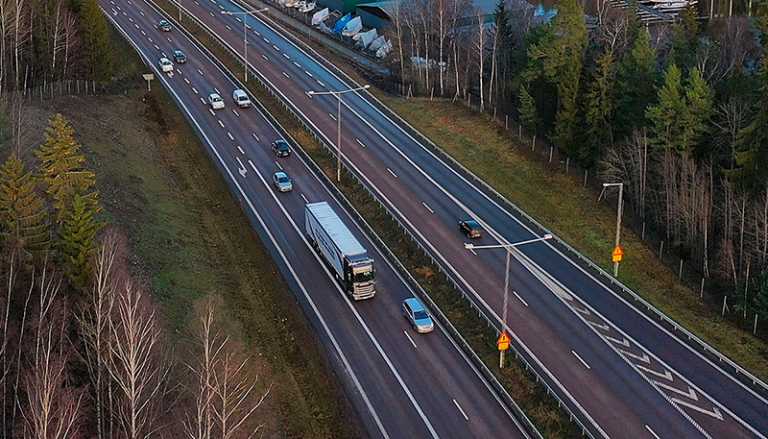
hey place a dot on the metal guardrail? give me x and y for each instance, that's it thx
(521, 352)
(525, 423)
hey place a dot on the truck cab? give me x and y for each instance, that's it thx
(359, 276)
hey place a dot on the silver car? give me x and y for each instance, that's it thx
(282, 181)
(416, 313)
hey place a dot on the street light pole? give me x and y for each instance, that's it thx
(245, 35)
(337, 94)
(618, 221)
(508, 248)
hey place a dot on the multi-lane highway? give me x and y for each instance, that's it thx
(618, 371)
(402, 384)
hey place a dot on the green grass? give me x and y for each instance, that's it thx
(563, 205)
(541, 408)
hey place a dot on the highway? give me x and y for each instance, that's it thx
(401, 384)
(618, 371)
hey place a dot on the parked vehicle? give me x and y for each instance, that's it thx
(166, 66)
(280, 148)
(340, 249)
(216, 102)
(179, 57)
(241, 98)
(282, 181)
(470, 228)
(164, 25)
(416, 313)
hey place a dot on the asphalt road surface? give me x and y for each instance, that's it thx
(619, 371)
(402, 384)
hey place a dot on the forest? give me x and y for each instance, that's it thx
(677, 112)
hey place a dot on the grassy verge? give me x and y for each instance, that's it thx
(564, 206)
(190, 239)
(542, 409)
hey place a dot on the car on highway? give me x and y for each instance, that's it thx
(165, 64)
(282, 181)
(470, 228)
(216, 102)
(164, 25)
(416, 313)
(179, 57)
(280, 148)
(241, 98)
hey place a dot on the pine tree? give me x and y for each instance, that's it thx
(599, 108)
(699, 109)
(752, 143)
(667, 115)
(23, 215)
(561, 54)
(77, 241)
(527, 112)
(62, 167)
(635, 81)
(761, 296)
(685, 39)
(94, 32)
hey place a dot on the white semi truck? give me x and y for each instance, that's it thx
(339, 247)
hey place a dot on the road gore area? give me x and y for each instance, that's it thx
(191, 239)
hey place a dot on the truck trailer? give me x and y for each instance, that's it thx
(341, 250)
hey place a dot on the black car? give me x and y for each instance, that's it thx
(470, 228)
(179, 57)
(164, 26)
(281, 148)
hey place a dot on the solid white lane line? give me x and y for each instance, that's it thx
(653, 433)
(286, 75)
(220, 123)
(279, 166)
(240, 149)
(392, 172)
(200, 72)
(332, 116)
(231, 137)
(359, 142)
(304, 198)
(195, 91)
(426, 206)
(265, 57)
(255, 136)
(461, 410)
(410, 339)
(210, 110)
(236, 113)
(580, 359)
(308, 74)
(520, 298)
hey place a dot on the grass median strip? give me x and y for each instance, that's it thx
(522, 386)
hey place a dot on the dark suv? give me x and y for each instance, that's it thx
(281, 148)
(179, 57)
(470, 228)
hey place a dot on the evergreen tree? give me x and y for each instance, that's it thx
(527, 111)
(699, 109)
(23, 215)
(760, 295)
(62, 167)
(667, 115)
(599, 108)
(561, 55)
(752, 144)
(505, 52)
(94, 32)
(685, 39)
(77, 240)
(635, 83)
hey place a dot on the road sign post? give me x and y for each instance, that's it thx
(617, 255)
(503, 344)
(148, 77)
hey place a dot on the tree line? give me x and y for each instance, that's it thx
(51, 40)
(677, 112)
(84, 351)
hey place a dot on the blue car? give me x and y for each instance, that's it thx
(417, 315)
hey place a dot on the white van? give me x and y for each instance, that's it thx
(241, 98)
